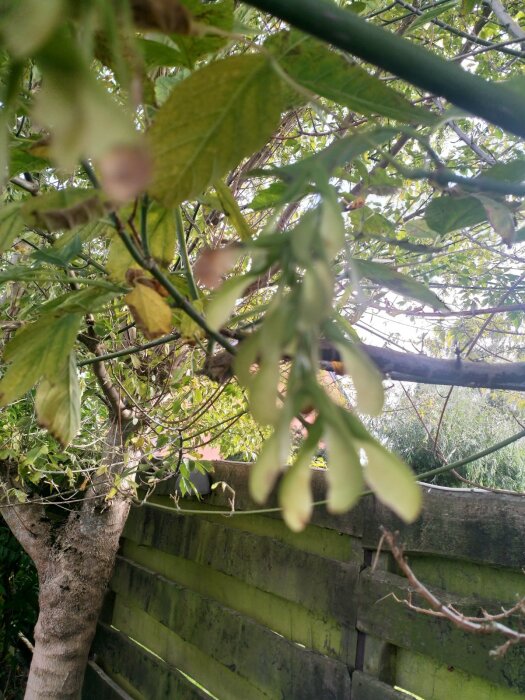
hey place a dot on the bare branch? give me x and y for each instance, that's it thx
(487, 624)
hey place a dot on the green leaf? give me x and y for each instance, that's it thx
(37, 350)
(222, 302)
(344, 475)
(397, 282)
(500, 217)
(29, 23)
(57, 402)
(325, 72)
(64, 209)
(513, 171)
(159, 53)
(366, 378)
(264, 388)
(269, 465)
(431, 14)
(216, 14)
(340, 152)
(295, 492)
(11, 224)
(162, 234)
(392, 481)
(198, 136)
(445, 214)
(231, 209)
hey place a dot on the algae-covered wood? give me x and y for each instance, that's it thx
(149, 676)
(479, 527)
(273, 566)
(318, 632)
(273, 665)
(365, 687)
(382, 616)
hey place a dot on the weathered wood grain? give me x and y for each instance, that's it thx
(458, 523)
(380, 615)
(97, 684)
(365, 687)
(312, 581)
(152, 677)
(271, 664)
(315, 631)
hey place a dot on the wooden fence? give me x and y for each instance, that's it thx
(240, 608)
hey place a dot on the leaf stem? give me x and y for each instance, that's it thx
(183, 250)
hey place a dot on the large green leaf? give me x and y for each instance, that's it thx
(37, 350)
(27, 24)
(397, 282)
(445, 214)
(57, 402)
(11, 224)
(210, 121)
(325, 72)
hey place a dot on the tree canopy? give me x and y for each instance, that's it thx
(207, 204)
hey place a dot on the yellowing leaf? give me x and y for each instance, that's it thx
(196, 138)
(37, 350)
(151, 312)
(57, 402)
(367, 379)
(392, 481)
(222, 302)
(162, 234)
(269, 465)
(345, 474)
(119, 260)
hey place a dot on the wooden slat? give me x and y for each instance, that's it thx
(97, 684)
(317, 583)
(428, 679)
(236, 475)
(460, 524)
(317, 632)
(151, 676)
(313, 539)
(190, 627)
(365, 687)
(380, 615)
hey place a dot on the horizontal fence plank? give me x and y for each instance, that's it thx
(97, 684)
(431, 680)
(458, 523)
(313, 539)
(380, 615)
(291, 620)
(151, 676)
(245, 650)
(317, 583)
(365, 687)
(236, 474)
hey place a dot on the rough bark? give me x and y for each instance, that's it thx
(74, 560)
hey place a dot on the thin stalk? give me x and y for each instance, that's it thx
(183, 250)
(346, 30)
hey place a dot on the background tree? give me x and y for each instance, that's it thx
(191, 182)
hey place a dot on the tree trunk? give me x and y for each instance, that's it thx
(74, 560)
(72, 589)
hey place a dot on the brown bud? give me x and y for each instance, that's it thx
(125, 172)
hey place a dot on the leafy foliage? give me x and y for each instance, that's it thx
(187, 178)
